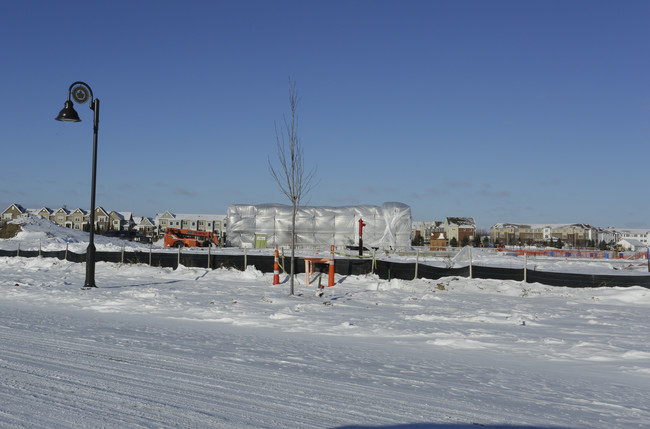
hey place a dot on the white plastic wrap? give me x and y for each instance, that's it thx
(387, 227)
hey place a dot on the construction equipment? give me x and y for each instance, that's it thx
(176, 237)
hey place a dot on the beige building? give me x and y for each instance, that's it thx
(12, 212)
(120, 221)
(460, 228)
(576, 234)
(45, 213)
(102, 220)
(199, 222)
(438, 233)
(79, 219)
(60, 217)
(76, 219)
(144, 225)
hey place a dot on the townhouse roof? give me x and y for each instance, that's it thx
(461, 221)
(181, 216)
(18, 206)
(541, 225)
(123, 215)
(142, 219)
(633, 231)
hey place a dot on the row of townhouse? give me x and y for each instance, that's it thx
(575, 234)
(439, 234)
(199, 222)
(121, 221)
(80, 219)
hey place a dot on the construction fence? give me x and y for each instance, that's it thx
(346, 266)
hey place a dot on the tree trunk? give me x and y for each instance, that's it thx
(293, 246)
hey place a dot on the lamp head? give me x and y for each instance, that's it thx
(68, 114)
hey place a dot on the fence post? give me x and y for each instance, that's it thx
(284, 262)
(470, 262)
(66, 251)
(40, 242)
(122, 255)
(417, 260)
(18, 251)
(178, 261)
(209, 257)
(150, 246)
(245, 258)
(525, 267)
(374, 262)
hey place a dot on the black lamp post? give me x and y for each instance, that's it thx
(81, 92)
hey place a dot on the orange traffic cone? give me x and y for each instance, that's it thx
(276, 268)
(330, 280)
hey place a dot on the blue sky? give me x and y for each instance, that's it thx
(505, 111)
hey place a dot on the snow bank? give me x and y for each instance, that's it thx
(195, 347)
(48, 236)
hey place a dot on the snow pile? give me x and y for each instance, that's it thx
(48, 236)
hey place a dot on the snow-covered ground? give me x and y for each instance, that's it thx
(38, 233)
(156, 347)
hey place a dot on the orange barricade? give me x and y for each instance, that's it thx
(309, 268)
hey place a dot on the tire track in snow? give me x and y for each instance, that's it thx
(87, 382)
(81, 369)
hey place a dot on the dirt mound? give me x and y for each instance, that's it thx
(9, 230)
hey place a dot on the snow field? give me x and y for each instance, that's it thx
(224, 348)
(191, 347)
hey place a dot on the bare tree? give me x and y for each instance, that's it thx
(290, 173)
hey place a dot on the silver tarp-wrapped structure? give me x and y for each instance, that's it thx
(388, 226)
